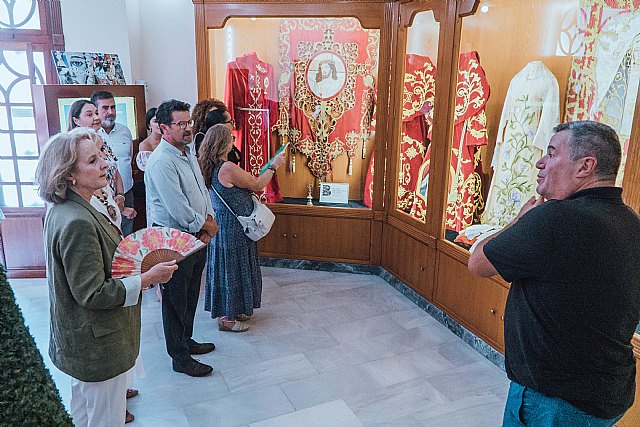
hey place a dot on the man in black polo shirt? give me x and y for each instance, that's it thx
(574, 262)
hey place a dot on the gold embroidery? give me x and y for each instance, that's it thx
(323, 114)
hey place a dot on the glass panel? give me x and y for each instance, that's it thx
(9, 196)
(30, 198)
(15, 82)
(308, 83)
(586, 66)
(7, 171)
(21, 91)
(417, 115)
(16, 62)
(5, 145)
(27, 170)
(26, 144)
(4, 122)
(22, 118)
(38, 62)
(22, 14)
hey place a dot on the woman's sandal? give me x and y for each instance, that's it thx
(243, 317)
(227, 325)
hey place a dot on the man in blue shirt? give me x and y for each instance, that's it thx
(179, 199)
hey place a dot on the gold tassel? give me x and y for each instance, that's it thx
(292, 161)
(350, 166)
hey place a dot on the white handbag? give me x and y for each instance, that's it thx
(258, 223)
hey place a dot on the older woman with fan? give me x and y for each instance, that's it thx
(95, 319)
(234, 280)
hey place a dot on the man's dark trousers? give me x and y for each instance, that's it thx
(179, 302)
(127, 224)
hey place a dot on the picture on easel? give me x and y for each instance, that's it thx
(85, 68)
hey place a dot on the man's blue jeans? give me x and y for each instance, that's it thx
(527, 407)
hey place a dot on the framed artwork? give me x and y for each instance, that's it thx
(86, 68)
(125, 112)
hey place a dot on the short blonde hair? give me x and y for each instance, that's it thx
(57, 161)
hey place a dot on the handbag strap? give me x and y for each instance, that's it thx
(225, 203)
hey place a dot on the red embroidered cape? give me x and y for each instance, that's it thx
(464, 201)
(251, 97)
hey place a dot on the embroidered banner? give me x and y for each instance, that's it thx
(326, 87)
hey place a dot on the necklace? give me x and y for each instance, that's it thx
(104, 199)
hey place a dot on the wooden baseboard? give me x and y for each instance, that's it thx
(26, 273)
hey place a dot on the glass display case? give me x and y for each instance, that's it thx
(418, 105)
(562, 61)
(308, 84)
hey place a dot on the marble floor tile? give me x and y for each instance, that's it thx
(269, 372)
(479, 410)
(335, 349)
(321, 388)
(239, 409)
(407, 366)
(363, 328)
(270, 347)
(397, 405)
(469, 379)
(335, 413)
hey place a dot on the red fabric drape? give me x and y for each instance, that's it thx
(251, 97)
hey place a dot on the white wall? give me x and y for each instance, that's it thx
(155, 40)
(97, 26)
(165, 51)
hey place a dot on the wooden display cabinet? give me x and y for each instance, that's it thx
(319, 234)
(472, 301)
(303, 232)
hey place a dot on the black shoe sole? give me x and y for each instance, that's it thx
(194, 373)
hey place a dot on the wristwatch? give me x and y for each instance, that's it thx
(272, 168)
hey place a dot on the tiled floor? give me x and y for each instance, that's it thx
(326, 349)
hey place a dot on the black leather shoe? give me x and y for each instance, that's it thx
(193, 368)
(201, 348)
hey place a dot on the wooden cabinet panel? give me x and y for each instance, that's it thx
(321, 238)
(23, 246)
(632, 417)
(409, 259)
(476, 302)
(504, 292)
(330, 237)
(276, 243)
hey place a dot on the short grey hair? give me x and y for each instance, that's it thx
(589, 138)
(57, 161)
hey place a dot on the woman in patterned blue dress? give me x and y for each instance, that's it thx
(234, 280)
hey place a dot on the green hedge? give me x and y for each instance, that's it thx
(28, 396)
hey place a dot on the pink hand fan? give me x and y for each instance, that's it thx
(140, 251)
